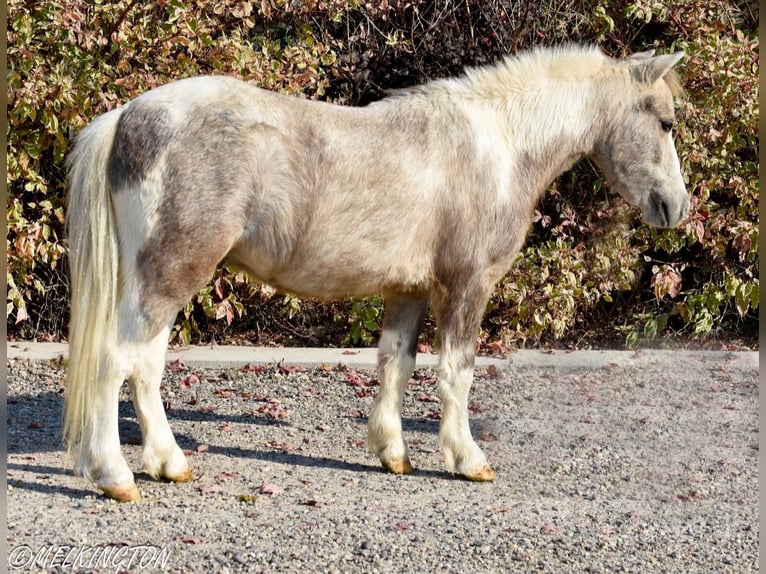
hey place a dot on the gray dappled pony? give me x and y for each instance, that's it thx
(424, 197)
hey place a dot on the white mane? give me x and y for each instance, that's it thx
(534, 70)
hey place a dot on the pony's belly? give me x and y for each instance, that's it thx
(334, 283)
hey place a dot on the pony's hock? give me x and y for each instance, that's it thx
(425, 197)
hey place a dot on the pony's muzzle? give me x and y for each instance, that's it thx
(664, 210)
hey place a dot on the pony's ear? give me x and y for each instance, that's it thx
(652, 69)
(642, 55)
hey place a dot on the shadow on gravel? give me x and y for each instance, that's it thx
(294, 459)
(44, 473)
(34, 422)
(202, 415)
(34, 427)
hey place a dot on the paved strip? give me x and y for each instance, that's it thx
(225, 356)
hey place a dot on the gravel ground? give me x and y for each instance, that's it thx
(650, 468)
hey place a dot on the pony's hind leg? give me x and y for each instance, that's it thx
(161, 455)
(397, 348)
(98, 455)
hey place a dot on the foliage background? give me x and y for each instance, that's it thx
(590, 274)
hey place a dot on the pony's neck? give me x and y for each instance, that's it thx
(549, 130)
(546, 109)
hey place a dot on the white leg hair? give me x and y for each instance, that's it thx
(459, 313)
(462, 455)
(396, 361)
(162, 457)
(98, 455)
(141, 362)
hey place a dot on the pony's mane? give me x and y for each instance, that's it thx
(535, 69)
(532, 70)
(541, 66)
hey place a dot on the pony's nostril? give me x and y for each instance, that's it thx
(660, 208)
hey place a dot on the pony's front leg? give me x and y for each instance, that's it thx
(396, 360)
(459, 320)
(462, 455)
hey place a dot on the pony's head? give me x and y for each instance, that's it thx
(636, 151)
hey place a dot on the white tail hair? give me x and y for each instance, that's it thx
(93, 261)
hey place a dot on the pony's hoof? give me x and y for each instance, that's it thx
(398, 466)
(484, 474)
(122, 493)
(184, 476)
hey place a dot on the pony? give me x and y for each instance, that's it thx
(424, 197)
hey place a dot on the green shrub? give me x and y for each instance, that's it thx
(589, 273)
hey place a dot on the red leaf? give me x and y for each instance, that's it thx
(273, 411)
(270, 488)
(283, 446)
(191, 540)
(666, 282)
(218, 289)
(253, 368)
(494, 372)
(700, 229)
(177, 365)
(189, 380)
(225, 475)
(355, 380)
(287, 369)
(202, 448)
(36, 425)
(226, 428)
(225, 310)
(549, 529)
(486, 437)
(350, 353)
(742, 243)
(498, 349)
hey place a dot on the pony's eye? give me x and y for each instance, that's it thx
(666, 126)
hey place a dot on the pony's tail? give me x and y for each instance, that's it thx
(93, 261)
